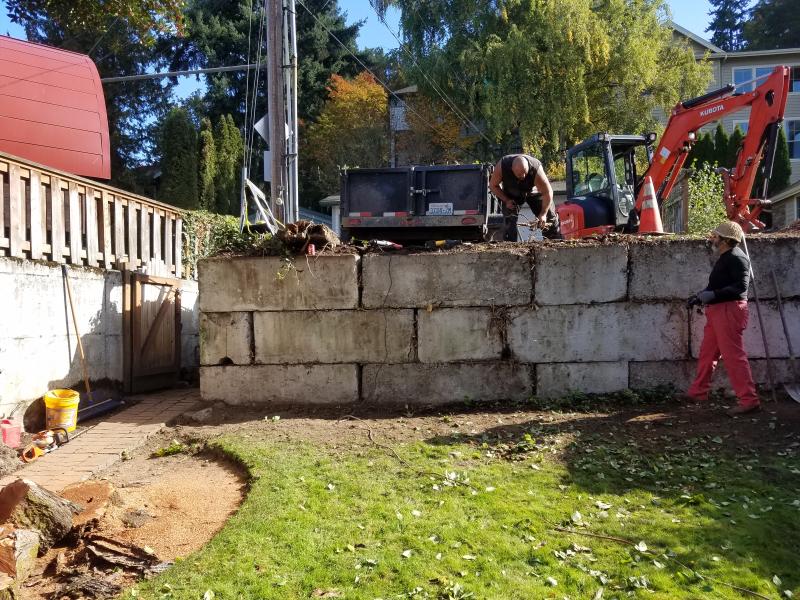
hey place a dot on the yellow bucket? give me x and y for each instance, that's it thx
(62, 409)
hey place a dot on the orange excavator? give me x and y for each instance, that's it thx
(607, 194)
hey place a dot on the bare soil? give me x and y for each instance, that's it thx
(176, 504)
(772, 429)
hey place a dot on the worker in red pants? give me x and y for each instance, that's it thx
(725, 301)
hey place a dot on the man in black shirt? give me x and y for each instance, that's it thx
(725, 300)
(513, 180)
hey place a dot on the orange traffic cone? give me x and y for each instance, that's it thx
(650, 215)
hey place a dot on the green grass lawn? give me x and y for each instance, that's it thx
(474, 517)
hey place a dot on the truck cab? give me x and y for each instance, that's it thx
(604, 173)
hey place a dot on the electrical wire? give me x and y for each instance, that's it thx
(252, 120)
(363, 66)
(247, 84)
(445, 98)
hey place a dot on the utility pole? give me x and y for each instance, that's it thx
(276, 107)
(290, 78)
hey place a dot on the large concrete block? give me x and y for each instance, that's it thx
(669, 269)
(271, 283)
(440, 279)
(337, 336)
(580, 274)
(599, 333)
(781, 255)
(280, 384)
(649, 374)
(454, 334)
(446, 383)
(753, 343)
(680, 374)
(226, 338)
(555, 380)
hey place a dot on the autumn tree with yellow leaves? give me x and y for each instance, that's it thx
(350, 132)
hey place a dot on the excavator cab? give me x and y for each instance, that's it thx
(604, 173)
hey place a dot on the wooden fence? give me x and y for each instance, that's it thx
(47, 214)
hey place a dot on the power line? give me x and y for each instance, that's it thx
(446, 99)
(180, 73)
(363, 66)
(245, 163)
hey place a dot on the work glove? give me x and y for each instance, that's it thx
(706, 296)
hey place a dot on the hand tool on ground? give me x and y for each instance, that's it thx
(793, 389)
(770, 378)
(44, 442)
(444, 244)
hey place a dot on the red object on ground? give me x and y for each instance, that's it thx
(722, 336)
(11, 431)
(52, 109)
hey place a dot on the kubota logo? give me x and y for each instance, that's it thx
(712, 110)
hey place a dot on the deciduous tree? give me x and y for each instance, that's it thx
(350, 131)
(555, 70)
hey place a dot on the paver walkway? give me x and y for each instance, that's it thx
(102, 445)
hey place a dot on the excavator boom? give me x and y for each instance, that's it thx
(767, 103)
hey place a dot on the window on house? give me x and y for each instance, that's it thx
(793, 138)
(794, 79)
(742, 75)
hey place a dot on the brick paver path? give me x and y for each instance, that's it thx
(101, 446)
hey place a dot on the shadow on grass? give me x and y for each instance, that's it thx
(719, 487)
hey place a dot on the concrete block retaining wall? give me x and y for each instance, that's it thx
(500, 324)
(38, 351)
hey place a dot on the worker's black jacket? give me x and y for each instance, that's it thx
(730, 277)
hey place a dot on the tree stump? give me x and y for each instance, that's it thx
(29, 506)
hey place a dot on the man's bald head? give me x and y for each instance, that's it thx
(520, 167)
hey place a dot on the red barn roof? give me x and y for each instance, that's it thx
(52, 109)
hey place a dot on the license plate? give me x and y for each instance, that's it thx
(440, 209)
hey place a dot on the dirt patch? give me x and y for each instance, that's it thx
(167, 507)
(9, 460)
(773, 429)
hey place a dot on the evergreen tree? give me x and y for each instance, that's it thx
(230, 149)
(721, 146)
(178, 145)
(727, 21)
(702, 153)
(734, 143)
(208, 167)
(773, 24)
(782, 169)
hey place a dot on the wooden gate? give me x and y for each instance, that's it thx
(152, 326)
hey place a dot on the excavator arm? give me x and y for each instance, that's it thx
(767, 103)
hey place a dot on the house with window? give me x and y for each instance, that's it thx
(743, 69)
(785, 207)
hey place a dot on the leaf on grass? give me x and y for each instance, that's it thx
(602, 506)
(641, 547)
(331, 487)
(469, 557)
(438, 556)
(318, 593)
(776, 580)
(416, 513)
(577, 518)
(209, 595)
(598, 595)
(406, 553)
(551, 581)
